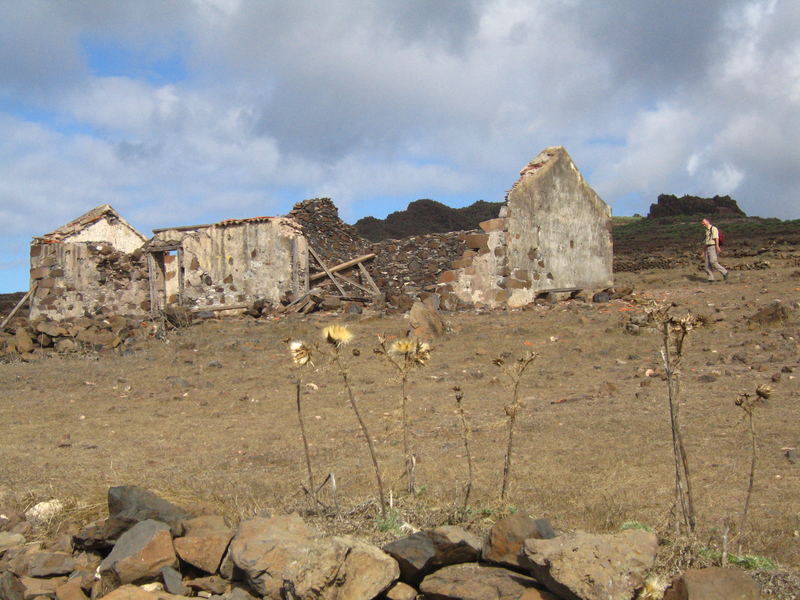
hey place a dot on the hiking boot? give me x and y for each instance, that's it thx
(725, 276)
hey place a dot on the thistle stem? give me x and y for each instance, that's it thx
(364, 429)
(311, 488)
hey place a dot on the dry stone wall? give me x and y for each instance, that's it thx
(87, 278)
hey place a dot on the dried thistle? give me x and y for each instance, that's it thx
(514, 373)
(674, 332)
(337, 335)
(404, 355)
(653, 589)
(748, 404)
(301, 354)
(414, 352)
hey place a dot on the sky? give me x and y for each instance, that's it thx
(192, 111)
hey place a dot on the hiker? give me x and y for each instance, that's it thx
(711, 251)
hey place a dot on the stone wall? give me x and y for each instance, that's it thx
(87, 278)
(229, 263)
(553, 233)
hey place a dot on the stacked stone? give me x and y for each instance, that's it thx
(34, 339)
(149, 548)
(333, 239)
(643, 263)
(413, 264)
(118, 280)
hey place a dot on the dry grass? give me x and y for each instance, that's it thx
(592, 445)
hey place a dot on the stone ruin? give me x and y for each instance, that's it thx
(552, 235)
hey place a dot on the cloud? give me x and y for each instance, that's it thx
(209, 109)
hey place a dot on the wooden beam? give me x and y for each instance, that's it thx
(353, 283)
(324, 268)
(342, 266)
(14, 310)
(218, 307)
(365, 274)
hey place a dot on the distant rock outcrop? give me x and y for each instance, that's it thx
(669, 205)
(426, 216)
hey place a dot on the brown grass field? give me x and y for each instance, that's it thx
(593, 443)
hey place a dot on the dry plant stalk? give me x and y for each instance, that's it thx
(301, 356)
(465, 431)
(514, 373)
(404, 355)
(748, 404)
(337, 336)
(673, 337)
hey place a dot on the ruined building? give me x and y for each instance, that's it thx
(552, 234)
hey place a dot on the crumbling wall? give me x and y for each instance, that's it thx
(553, 233)
(234, 262)
(85, 279)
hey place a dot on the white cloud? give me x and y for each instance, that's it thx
(277, 101)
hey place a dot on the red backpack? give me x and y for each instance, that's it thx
(721, 237)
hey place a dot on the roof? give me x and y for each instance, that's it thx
(104, 211)
(223, 223)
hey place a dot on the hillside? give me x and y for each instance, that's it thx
(426, 216)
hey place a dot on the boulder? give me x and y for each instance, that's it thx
(45, 587)
(714, 583)
(173, 582)
(425, 322)
(584, 566)
(212, 584)
(43, 512)
(132, 504)
(140, 553)
(401, 591)
(10, 540)
(424, 552)
(11, 588)
(100, 535)
(205, 542)
(23, 341)
(507, 535)
(71, 590)
(129, 592)
(49, 564)
(280, 556)
(476, 582)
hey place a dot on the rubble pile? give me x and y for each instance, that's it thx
(401, 268)
(149, 548)
(33, 339)
(413, 264)
(334, 240)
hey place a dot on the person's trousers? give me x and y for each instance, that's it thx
(712, 262)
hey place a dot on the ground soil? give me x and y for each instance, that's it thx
(209, 415)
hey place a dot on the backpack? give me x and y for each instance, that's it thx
(721, 237)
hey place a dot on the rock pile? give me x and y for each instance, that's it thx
(401, 268)
(35, 338)
(150, 549)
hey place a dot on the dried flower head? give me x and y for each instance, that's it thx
(653, 589)
(301, 354)
(764, 391)
(414, 351)
(337, 335)
(404, 346)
